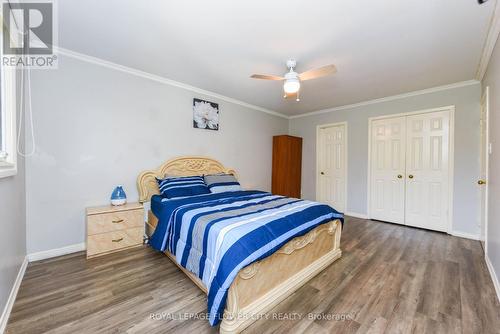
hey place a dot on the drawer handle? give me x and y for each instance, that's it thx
(117, 221)
(117, 240)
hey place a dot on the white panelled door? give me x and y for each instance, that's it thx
(331, 179)
(427, 160)
(409, 170)
(387, 170)
(483, 165)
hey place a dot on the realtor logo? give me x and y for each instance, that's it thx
(29, 34)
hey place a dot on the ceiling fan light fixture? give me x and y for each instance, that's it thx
(291, 86)
(291, 79)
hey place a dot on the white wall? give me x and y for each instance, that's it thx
(467, 102)
(12, 229)
(492, 79)
(96, 127)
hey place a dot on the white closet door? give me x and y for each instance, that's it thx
(332, 166)
(427, 170)
(387, 188)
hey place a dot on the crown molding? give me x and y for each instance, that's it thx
(166, 81)
(489, 44)
(389, 98)
(160, 79)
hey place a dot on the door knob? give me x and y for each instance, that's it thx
(481, 182)
(400, 176)
(410, 176)
(322, 173)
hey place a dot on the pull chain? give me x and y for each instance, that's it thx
(24, 114)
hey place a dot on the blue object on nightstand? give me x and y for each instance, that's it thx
(118, 197)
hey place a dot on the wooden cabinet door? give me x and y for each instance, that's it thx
(287, 166)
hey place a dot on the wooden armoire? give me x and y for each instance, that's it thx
(287, 165)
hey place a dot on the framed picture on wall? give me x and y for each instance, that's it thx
(205, 114)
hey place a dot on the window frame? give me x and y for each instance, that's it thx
(8, 166)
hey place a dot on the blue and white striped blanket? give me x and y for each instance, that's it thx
(216, 235)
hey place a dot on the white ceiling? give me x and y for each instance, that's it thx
(381, 48)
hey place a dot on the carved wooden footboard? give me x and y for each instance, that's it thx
(263, 284)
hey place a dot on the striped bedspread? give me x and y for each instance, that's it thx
(216, 235)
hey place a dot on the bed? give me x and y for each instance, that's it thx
(260, 285)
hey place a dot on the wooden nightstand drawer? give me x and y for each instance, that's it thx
(114, 221)
(113, 228)
(103, 243)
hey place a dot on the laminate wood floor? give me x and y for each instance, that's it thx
(391, 279)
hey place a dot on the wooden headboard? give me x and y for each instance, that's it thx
(184, 166)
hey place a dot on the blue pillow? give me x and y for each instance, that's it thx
(218, 183)
(172, 187)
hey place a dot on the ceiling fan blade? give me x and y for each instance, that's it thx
(266, 77)
(317, 72)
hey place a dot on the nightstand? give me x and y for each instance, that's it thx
(114, 228)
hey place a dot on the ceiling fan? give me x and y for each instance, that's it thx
(292, 79)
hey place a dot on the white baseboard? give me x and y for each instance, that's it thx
(465, 235)
(493, 275)
(356, 215)
(12, 297)
(56, 252)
